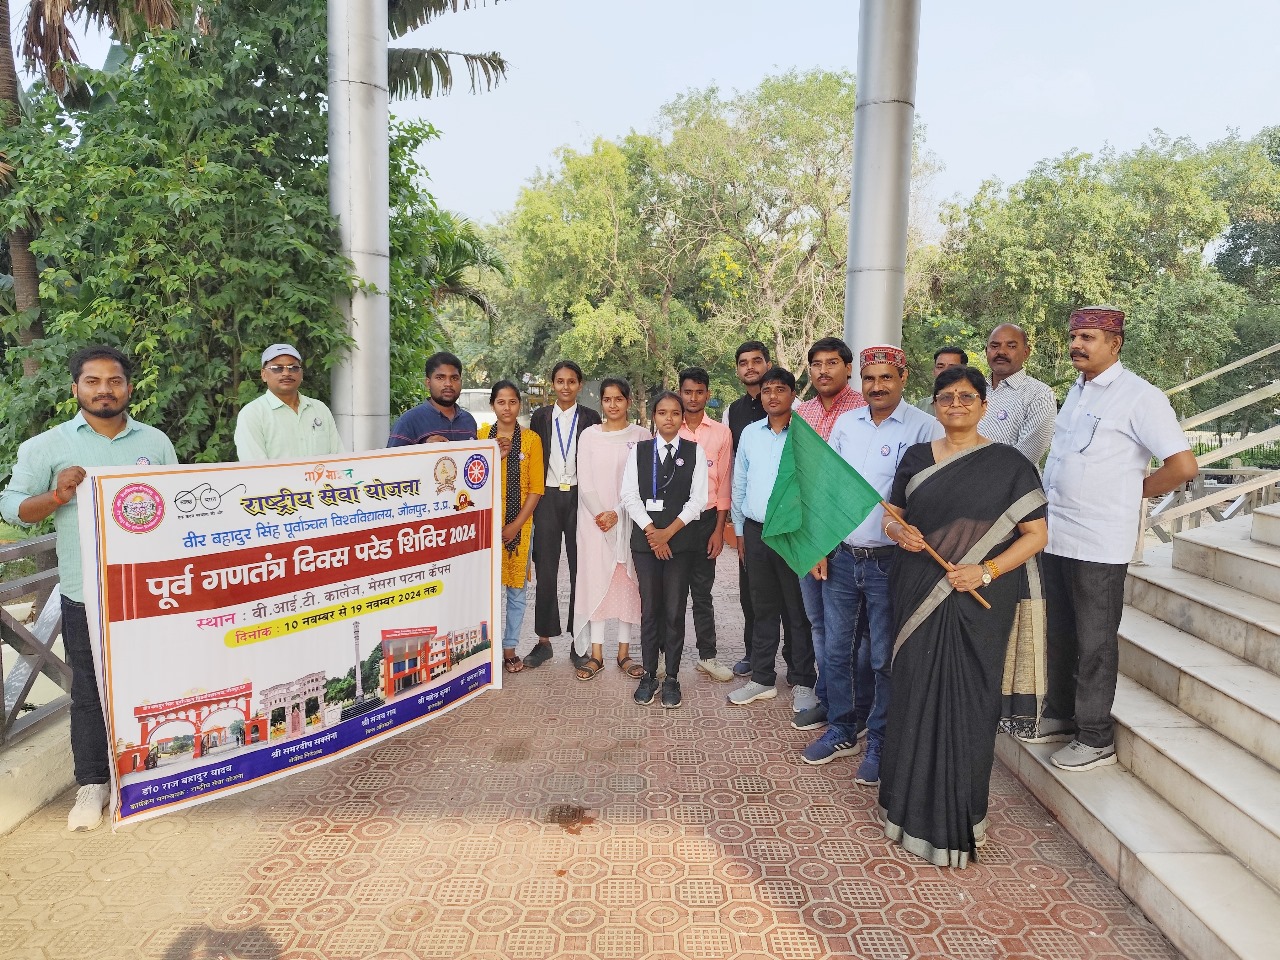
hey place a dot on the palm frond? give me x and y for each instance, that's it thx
(406, 15)
(47, 41)
(415, 72)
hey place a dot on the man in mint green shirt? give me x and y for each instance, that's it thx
(282, 424)
(49, 469)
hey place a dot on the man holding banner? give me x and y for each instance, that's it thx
(49, 469)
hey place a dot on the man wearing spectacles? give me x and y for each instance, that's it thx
(282, 424)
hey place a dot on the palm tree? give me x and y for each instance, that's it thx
(454, 248)
(413, 72)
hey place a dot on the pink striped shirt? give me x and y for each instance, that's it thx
(823, 420)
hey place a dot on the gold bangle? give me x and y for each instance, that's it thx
(992, 568)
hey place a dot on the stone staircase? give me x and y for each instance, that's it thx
(1188, 823)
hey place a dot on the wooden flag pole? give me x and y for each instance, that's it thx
(947, 564)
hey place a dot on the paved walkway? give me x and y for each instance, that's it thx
(557, 819)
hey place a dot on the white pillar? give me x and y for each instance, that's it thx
(358, 197)
(884, 117)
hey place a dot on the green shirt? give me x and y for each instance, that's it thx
(268, 429)
(76, 444)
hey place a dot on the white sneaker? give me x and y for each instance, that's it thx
(716, 670)
(91, 799)
(751, 693)
(803, 698)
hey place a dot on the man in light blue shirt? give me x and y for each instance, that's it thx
(872, 439)
(775, 589)
(49, 469)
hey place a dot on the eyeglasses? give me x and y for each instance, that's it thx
(282, 368)
(949, 399)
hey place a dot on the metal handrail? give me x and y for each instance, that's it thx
(32, 644)
(1233, 365)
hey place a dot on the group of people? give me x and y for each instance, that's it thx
(983, 592)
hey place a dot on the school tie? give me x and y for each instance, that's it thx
(666, 460)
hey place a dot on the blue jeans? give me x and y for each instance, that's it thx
(811, 591)
(851, 584)
(514, 600)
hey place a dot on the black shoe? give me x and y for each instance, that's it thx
(645, 691)
(539, 655)
(576, 659)
(670, 693)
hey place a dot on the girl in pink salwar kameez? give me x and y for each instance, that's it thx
(606, 588)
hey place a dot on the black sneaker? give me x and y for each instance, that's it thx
(647, 688)
(670, 693)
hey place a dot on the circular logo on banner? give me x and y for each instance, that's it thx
(138, 508)
(884, 451)
(446, 473)
(476, 471)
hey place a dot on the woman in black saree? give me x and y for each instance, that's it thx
(980, 505)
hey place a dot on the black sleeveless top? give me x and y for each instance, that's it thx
(674, 484)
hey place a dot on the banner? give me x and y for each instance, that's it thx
(254, 619)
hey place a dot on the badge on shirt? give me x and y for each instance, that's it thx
(710, 463)
(653, 506)
(317, 423)
(679, 461)
(564, 486)
(144, 461)
(1002, 415)
(884, 451)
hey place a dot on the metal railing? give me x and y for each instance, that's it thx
(1220, 493)
(26, 652)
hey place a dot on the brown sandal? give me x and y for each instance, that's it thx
(631, 668)
(512, 664)
(588, 669)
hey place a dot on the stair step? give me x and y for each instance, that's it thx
(1238, 622)
(1231, 795)
(1202, 898)
(1266, 525)
(1224, 552)
(1237, 699)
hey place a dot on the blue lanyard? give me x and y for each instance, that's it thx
(655, 487)
(564, 447)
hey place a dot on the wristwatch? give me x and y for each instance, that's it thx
(986, 577)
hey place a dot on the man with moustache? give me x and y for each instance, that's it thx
(282, 424)
(872, 439)
(555, 519)
(1112, 423)
(49, 469)
(943, 358)
(716, 442)
(439, 419)
(750, 363)
(830, 367)
(1020, 409)
(775, 596)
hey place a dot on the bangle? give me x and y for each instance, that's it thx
(890, 524)
(57, 499)
(992, 568)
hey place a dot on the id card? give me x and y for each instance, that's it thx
(653, 506)
(564, 487)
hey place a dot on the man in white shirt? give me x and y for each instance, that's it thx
(1020, 409)
(1111, 424)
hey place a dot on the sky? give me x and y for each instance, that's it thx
(1002, 84)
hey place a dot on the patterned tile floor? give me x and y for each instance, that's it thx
(557, 819)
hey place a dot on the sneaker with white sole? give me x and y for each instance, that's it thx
(830, 746)
(751, 693)
(869, 769)
(91, 800)
(1077, 756)
(716, 670)
(1048, 731)
(810, 719)
(803, 698)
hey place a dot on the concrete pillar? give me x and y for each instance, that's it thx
(884, 117)
(358, 197)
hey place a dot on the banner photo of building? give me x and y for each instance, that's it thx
(255, 619)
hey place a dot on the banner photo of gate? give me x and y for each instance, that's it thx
(255, 619)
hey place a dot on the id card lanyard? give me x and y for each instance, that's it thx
(564, 448)
(656, 487)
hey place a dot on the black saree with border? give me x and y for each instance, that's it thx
(949, 652)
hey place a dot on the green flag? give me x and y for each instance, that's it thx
(817, 500)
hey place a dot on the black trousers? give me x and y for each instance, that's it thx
(748, 613)
(702, 577)
(664, 593)
(1084, 601)
(776, 599)
(555, 518)
(88, 729)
